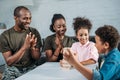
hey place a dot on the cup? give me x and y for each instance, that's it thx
(65, 49)
(64, 64)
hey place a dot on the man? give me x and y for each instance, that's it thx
(21, 44)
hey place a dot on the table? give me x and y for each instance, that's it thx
(53, 71)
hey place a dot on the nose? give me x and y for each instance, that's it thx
(83, 37)
(28, 20)
(62, 27)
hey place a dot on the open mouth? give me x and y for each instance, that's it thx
(62, 32)
(27, 25)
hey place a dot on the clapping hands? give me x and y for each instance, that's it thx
(58, 41)
(30, 41)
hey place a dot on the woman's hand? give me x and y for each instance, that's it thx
(58, 41)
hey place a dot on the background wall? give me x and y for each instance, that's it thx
(100, 12)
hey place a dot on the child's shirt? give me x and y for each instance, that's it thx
(86, 51)
(110, 69)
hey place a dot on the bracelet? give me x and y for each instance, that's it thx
(55, 55)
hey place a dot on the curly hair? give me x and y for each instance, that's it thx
(18, 9)
(81, 22)
(55, 17)
(108, 33)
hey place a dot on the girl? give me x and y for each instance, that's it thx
(85, 50)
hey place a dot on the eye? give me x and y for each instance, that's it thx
(27, 18)
(30, 18)
(85, 34)
(24, 18)
(58, 26)
(64, 25)
(81, 35)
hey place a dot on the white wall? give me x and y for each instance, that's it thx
(100, 12)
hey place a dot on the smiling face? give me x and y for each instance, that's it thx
(102, 47)
(83, 35)
(60, 27)
(23, 21)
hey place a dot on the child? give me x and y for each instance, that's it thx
(86, 50)
(106, 41)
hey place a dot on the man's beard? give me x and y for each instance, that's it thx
(22, 27)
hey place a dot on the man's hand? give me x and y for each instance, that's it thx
(33, 41)
(30, 41)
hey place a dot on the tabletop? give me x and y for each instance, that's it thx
(53, 71)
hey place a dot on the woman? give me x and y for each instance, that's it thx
(57, 41)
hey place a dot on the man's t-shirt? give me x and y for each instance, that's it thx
(11, 40)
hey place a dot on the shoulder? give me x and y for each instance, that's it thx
(76, 44)
(114, 54)
(50, 36)
(5, 36)
(7, 32)
(91, 43)
(70, 39)
(32, 29)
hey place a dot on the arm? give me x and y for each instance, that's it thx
(11, 59)
(35, 44)
(87, 62)
(52, 57)
(85, 71)
(35, 52)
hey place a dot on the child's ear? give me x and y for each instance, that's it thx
(77, 37)
(106, 45)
